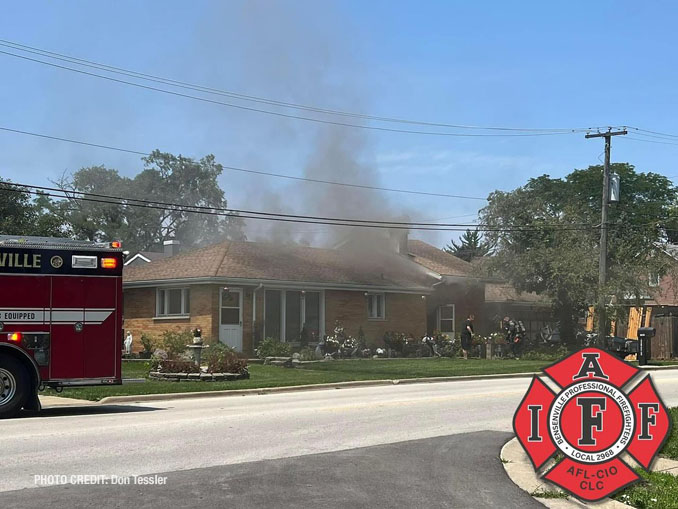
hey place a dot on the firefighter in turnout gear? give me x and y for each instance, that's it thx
(515, 335)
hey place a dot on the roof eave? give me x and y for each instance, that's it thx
(275, 283)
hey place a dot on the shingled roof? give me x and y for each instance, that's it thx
(290, 263)
(505, 293)
(438, 260)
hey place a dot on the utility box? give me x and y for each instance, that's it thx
(645, 334)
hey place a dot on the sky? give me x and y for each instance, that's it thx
(487, 63)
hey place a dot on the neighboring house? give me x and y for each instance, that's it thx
(242, 292)
(170, 248)
(535, 311)
(457, 292)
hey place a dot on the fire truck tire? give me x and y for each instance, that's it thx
(15, 386)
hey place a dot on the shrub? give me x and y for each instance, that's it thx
(147, 342)
(307, 354)
(395, 340)
(303, 336)
(545, 354)
(362, 343)
(270, 347)
(175, 342)
(175, 366)
(222, 359)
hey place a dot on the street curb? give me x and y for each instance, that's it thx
(657, 368)
(315, 387)
(521, 472)
(299, 388)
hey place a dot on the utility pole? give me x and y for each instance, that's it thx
(602, 264)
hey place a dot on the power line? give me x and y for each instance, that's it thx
(245, 170)
(658, 133)
(651, 141)
(111, 200)
(279, 114)
(239, 212)
(201, 88)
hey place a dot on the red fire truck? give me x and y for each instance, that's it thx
(60, 317)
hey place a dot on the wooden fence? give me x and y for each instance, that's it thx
(665, 342)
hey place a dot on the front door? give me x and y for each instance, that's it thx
(230, 318)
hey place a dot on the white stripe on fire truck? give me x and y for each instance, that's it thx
(91, 316)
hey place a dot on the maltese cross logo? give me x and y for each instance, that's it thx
(596, 417)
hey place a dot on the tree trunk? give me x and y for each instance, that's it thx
(566, 317)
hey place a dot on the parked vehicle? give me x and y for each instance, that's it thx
(60, 317)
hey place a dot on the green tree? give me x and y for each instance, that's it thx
(21, 214)
(549, 233)
(471, 245)
(165, 178)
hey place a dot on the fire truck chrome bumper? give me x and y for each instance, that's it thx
(7, 386)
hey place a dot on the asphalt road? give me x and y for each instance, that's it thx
(184, 435)
(459, 471)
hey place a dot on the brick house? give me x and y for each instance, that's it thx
(241, 292)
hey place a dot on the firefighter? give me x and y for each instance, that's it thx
(514, 335)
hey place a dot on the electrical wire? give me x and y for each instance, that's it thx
(240, 212)
(231, 213)
(200, 88)
(245, 170)
(650, 141)
(280, 114)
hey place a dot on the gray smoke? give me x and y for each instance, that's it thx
(305, 53)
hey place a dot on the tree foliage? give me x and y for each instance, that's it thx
(550, 236)
(22, 214)
(165, 178)
(471, 245)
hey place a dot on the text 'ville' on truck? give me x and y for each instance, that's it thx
(60, 317)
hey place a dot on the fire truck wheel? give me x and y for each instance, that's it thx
(14, 386)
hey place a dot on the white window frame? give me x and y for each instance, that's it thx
(382, 309)
(163, 293)
(439, 319)
(654, 279)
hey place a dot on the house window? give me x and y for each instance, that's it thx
(288, 311)
(293, 305)
(654, 279)
(312, 315)
(273, 316)
(173, 302)
(376, 304)
(446, 319)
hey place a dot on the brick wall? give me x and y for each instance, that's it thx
(139, 313)
(404, 313)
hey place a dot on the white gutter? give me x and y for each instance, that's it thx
(274, 283)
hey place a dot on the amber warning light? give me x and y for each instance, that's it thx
(14, 336)
(109, 263)
(116, 244)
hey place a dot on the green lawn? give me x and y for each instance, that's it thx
(656, 489)
(315, 373)
(670, 449)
